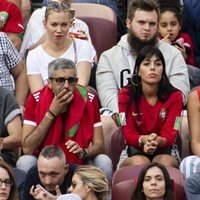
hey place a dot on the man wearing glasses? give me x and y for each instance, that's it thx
(67, 115)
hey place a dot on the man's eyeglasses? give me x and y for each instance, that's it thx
(53, 5)
(61, 80)
(7, 182)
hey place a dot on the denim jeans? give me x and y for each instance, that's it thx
(25, 162)
(192, 187)
(102, 161)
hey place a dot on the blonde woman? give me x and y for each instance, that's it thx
(58, 20)
(89, 182)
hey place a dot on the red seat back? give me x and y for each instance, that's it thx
(102, 23)
(116, 145)
(130, 173)
(123, 190)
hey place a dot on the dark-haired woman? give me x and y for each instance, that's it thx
(153, 183)
(8, 188)
(150, 109)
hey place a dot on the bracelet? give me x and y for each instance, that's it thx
(48, 116)
(54, 116)
(85, 154)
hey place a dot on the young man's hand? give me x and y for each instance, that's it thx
(39, 193)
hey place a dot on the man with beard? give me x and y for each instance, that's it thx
(52, 175)
(116, 65)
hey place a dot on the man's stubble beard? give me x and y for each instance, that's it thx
(137, 44)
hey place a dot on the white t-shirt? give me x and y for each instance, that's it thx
(38, 60)
(35, 29)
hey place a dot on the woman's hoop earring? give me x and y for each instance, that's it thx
(136, 80)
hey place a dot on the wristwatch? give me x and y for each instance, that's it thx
(85, 154)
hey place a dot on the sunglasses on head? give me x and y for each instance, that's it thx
(61, 80)
(54, 5)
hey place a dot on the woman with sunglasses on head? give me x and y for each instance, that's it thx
(89, 182)
(153, 183)
(8, 188)
(35, 32)
(150, 109)
(58, 20)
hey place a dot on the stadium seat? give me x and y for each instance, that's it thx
(116, 145)
(102, 23)
(123, 190)
(130, 174)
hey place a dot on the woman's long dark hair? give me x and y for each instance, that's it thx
(165, 88)
(13, 191)
(138, 193)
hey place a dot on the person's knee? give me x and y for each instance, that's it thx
(105, 164)
(25, 162)
(103, 161)
(166, 160)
